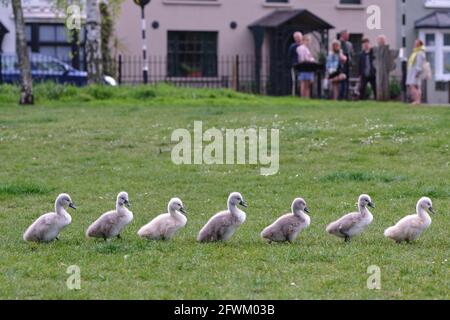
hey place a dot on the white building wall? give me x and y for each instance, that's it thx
(201, 15)
(6, 17)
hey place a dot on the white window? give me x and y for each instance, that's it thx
(430, 44)
(437, 43)
(446, 54)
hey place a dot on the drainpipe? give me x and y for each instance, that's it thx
(258, 36)
(402, 55)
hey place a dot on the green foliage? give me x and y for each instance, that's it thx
(100, 92)
(144, 93)
(395, 89)
(52, 91)
(359, 176)
(107, 31)
(22, 188)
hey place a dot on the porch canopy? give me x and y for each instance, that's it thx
(280, 25)
(301, 18)
(434, 20)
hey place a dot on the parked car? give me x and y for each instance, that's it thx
(45, 68)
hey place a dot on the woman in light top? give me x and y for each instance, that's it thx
(305, 78)
(415, 71)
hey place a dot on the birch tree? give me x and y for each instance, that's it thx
(26, 83)
(93, 43)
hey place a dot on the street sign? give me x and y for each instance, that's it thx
(141, 3)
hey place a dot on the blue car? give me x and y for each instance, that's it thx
(44, 68)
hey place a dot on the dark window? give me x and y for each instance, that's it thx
(277, 1)
(430, 39)
(441, 86)
(446, 39)
(56, 41)
(356, 40)
(350, 1)
(192, 54)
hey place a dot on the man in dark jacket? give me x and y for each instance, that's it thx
(366, 70)
(347, 50)
(293, 57)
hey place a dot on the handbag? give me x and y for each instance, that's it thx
(336, 73)
(427, 74)
(306, 66)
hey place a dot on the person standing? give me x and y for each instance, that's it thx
(335, 75)
(305, 78)
(415, 71)
(384, 64)
(293, 57)
(366, 70)
(347, 50)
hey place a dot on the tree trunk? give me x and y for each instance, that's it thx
(26, 91)
(93, 43)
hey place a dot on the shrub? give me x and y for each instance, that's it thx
(100, 92)
(144, 93)
(395, 89)
(53, 91)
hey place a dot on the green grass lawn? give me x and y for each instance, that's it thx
(94, 142)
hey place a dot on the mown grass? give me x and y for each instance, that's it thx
(94, 142)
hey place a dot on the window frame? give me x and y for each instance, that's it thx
(341, 3)
(445, 49)
(35, 43)
(174, 62)
(439, 49)
(277, 2)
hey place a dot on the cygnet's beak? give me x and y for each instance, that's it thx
(127, 203)
(243, 203)
(72, 205)
(306, 210)
(431, 210)
(183, 211)
(371, 204)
